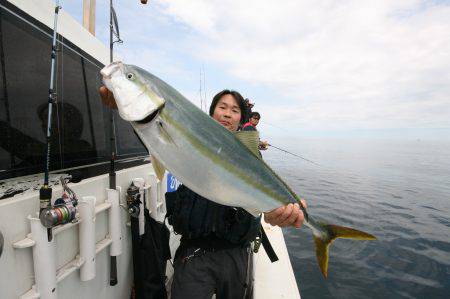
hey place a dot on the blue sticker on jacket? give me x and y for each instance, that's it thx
(172, 183)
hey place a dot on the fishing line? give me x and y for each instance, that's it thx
(283, 150)
(272, 125)
(288, 152)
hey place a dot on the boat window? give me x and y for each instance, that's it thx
(80, 121)
(25, 73)
(80, 112)
(128, 143)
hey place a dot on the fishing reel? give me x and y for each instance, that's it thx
(63, 210)
(133, 200)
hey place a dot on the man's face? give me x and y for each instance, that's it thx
(227, 112)
(254, 120)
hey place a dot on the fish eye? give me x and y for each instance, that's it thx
(130, 76)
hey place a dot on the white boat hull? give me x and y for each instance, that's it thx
(16, 264)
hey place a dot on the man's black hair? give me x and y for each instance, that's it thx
(236, 95)
(255, 114)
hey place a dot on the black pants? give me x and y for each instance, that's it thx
(201, 274)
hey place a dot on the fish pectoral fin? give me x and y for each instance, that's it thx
(165, 136)
(158, 167)
(250, 139)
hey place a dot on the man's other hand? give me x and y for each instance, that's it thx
(263, 145)
(288, 215)
(107, 97)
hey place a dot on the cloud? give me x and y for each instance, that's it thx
(317, 65)
(329, 64)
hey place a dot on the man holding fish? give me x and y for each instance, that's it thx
(214, 256)
(221, 172)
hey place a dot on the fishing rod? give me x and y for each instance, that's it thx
(293, 154)
(112, 169)
(134, 201)
(283, 150)
(45, 193)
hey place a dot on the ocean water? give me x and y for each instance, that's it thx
(398, 190)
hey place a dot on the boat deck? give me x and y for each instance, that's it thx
(274, 280)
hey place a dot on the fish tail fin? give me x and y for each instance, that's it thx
(323, 242)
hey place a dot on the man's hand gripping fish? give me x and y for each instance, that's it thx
(209, 159)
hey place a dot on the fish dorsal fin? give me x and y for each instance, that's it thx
(250, 139)
(158, 167)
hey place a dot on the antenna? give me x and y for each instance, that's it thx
(204, 88)
(200, 90)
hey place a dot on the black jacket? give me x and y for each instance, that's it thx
(197, 218)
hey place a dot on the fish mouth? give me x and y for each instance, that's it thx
(110, 69)
(136, 100)
(148, 118)
(129, 110)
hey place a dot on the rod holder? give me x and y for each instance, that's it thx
(86, 208)
(115, 227)
(44, 253)
(140, 183)
(153, 194)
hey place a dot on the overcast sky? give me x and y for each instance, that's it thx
(310, 66)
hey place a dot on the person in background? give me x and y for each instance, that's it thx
(251, 126)
(248, 109)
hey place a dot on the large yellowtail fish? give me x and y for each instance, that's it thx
(206, 157)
